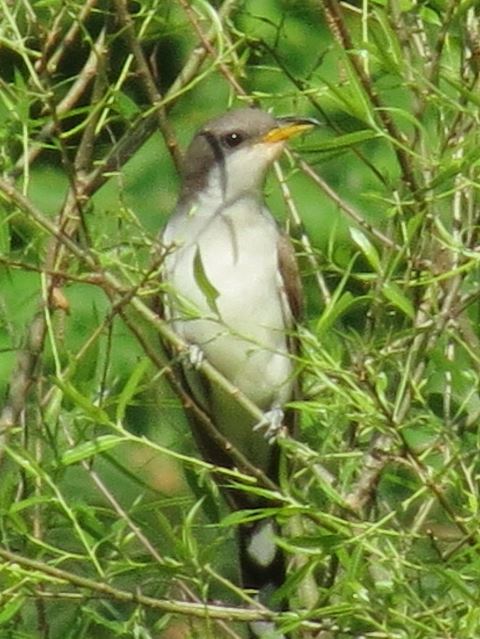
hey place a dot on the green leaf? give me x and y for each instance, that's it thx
(367, 248)
(344, 141)
(341, 97)
(25, 460)
(314, 544)
(94, 412)
(118, 628)
(204, 284)
(335, 309)
(26, 504)
(245, 516)
(131, 387)
(454, 167)
(395, 295)
(463, 90)
(429, 16)
(4, 232)
(91, 448)
(11, 608)
(125, 105)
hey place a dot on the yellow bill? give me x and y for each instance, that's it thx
(285, 132)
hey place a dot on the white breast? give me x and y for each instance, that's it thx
(225, 268)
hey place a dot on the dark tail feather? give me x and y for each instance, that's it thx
(262, 566)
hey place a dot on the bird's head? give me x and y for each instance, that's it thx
(230, 155)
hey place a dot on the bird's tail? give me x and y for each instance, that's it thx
(262, 566)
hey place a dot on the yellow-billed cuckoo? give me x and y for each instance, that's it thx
(234, 293)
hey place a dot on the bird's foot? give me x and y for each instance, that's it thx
(271, 423)
(193, 356)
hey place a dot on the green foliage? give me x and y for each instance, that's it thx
(378, 497)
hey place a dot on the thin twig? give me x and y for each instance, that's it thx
(336, 23)
(304, 239)
(148, 83)
(207, 45)
(347, 208)
(75, 93)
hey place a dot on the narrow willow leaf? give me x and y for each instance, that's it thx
(457, 581)
(335, 309)
(94, 412)
(342, 98)
(23, 459)
(471, 96)
(90, 449)
(455, 167)
(10, 609)
(359, 98)
(26, 504)
(313, 545)
(131, 387)
(367, 248)
(395, 295)
(247, 516)
(204, 284)
(430, 16)
(117, 628)
(125, 105)
(4, 232)
(344, 141)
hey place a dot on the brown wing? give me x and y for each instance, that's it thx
(290, 274)
(292, 287)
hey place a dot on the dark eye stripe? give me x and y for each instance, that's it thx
(219, 155)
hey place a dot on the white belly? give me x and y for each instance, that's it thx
(226, 273)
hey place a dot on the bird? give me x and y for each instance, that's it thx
(233, 293)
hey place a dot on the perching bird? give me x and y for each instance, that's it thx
(234, 293)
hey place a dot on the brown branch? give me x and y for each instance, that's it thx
(148, 82)
(171, 606)
(50, 65)
(447, 15)
(22, 377)
(75, 93)
(207, 45)
(336, 23)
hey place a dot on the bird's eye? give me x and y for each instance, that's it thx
(232, 139)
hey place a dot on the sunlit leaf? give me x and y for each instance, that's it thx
(89, 449)
(397, 297)
(367, 248)
(210, 292)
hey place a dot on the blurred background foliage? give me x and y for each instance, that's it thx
(99, 475)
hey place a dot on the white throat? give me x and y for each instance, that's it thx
(240, 173)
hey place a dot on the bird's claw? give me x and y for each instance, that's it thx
(193, 356)
(271, 423)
